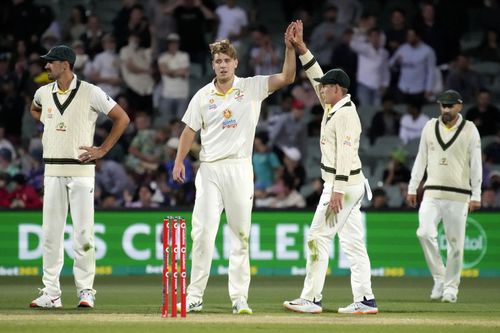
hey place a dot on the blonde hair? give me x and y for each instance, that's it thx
(223, 46)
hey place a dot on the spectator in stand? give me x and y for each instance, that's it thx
(325, 37)
(4, 193)
(6, 143)
(11, 105)
(293, 166)
(82, 61)
(379, 199)
(265, 162)
(489, 198)
(484, 115)
(290, 197)
(23, 195)
(265, 58)
(138, 24)
(349, 11)
(412, 123)
(233, 22)
(303, 91)
(313, 198)
(135, 62)
(92, 37)
(112, 177)
(105, 69)
(290, 129)
(120, 21)
(147, 150)
(435, 34)
(492, 150)
(163, 24)
(174, 69)
(142, 199)
(76, 23)
(417, 63)
(373, 74)
(344, 57)
(396, 33)
(192, 18)
(462, 78)
(385, 121)
(396, 171)
(489, 50)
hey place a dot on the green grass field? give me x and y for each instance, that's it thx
(132, 304)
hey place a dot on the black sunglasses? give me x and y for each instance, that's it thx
(445, 106)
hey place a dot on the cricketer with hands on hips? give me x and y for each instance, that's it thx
(450, 152)
(68, 109)
(226, 112)
(338, 210)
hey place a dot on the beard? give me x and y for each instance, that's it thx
(447, 118)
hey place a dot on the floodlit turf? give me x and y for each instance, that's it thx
(132, 304)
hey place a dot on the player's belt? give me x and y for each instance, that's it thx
(65, 161)
(448, 189)
(334, 171)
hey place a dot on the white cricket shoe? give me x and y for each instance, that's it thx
(365, 307)
(87, 298)
(449, 298)
(191, 305)
(437, 291)
(302, 305)
(241, 307)
(45, 301)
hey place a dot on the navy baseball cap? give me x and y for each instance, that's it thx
(60, 53)
(450, 97)
(335, 76)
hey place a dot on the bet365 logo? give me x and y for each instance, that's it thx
(474, 246)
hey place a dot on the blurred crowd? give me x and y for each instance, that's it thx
(152, 56)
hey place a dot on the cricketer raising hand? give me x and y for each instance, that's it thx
(226, 112)
(338, 210)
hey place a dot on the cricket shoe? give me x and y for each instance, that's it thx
(302, 305)
(437, 291)
(45, 301)
(191, 306)
(87, 298)
(241, 307)
(363, 307)
(449, 298)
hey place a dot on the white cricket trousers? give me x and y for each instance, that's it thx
(351, 235)
(454, 216)
(227, 185)
(78, 193)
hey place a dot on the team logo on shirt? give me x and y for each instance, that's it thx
(228, 121)
(49, 115)
(443, 161)
(238, 95)
(61, 127)
(211, 104)
(347, 141)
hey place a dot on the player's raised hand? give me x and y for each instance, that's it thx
(298, 37)
(289, 34)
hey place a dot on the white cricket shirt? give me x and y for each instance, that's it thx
(227, 121)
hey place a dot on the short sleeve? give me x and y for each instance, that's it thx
(192, 117)
(100, 101)
(258, 86)
(37, 99)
